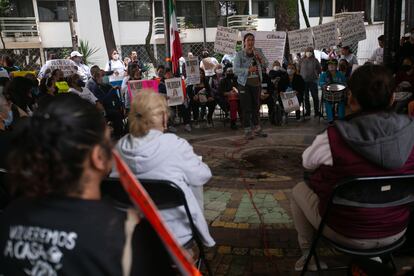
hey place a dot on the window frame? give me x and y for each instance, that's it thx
(75, 16)
(134, 19)
(325, 11)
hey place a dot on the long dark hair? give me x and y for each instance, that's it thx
(50, 148)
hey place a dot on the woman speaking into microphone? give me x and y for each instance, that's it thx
(248, 65)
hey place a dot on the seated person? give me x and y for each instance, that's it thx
(60, 225)
(151, 154)
(266, 96)
(333, 75)
(374, 141)
(292, 81)
(228, 90)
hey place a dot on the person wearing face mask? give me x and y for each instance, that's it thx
(115, 64)
(277, 73)
(83, 69)
(310, 68)
(292, 81)
(333, 75)
(215, 87)
(228, 90)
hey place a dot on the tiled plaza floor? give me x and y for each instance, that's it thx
(247, 201)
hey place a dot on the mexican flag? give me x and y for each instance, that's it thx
(175, 45)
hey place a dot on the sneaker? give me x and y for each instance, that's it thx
(249, 135)
(172, 129)
(187, 128)
(311, 266)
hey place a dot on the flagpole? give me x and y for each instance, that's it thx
(204, 17)
(165, 8)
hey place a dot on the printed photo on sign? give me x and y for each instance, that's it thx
(299, 40)
(136, 86)
(175, 92)
(226, 40)
(290, 101)
(192, 69)
(271, 43)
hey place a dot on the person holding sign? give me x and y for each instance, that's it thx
(68, 228)
(152, 154)
(292, 82)
(248, 65)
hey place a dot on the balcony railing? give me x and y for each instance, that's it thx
(242, 22)
(159, 25)
(19, 27)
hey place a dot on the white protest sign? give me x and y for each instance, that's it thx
(299, 40)
(290, 101)
(192, 69)
(272, 44)
(352, 29)
(174, 91)
(226, 40)
(67, 66)
(325, 35)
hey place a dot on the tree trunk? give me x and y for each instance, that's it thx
(107, 26)
(148, 47)
(217, 7)
(286, 15)
(305, 15)
(1, 37)
(321, 10)
(74, 37)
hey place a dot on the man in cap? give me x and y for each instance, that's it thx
(83, 70)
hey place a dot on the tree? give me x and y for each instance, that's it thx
(74, 37)
(87, 51)
(286, 15)
(148, 47)
(305, 15)
(107, 26)
(321, 10)
(4, 10)
(217, 6)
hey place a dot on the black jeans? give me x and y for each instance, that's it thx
(311, 86)
(249, 105)
(196, 105)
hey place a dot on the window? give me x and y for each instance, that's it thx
(55, 10)
(354, 6)
(314, 8)
(230, 8)
(264, 8)
(379, 10)
(134, 10)
(21, 8)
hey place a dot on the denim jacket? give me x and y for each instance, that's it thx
(242, 63)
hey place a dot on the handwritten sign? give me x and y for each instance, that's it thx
(143, 201)
(352, 29)
(226, 40)
(192, 70)
(271, 43)
(67, 66)
(290, 101)
(136, 86)
(325, 35)
(299, 40)
(174, 91)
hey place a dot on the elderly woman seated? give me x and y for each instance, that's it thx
(152, 154)
(373, 141)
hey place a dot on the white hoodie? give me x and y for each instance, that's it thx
(168, 157)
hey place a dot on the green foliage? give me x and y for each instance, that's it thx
(4, 7)
(87, 51)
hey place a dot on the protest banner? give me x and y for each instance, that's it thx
(136, 86)
(290, 101)
(192, 69)
(352, 28)
(142, 200)
(272, 44)
(325, 35)
(67, 66)
(299, 40)
(226, 40)
(174, 91)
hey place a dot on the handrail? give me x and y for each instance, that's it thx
(19, 27)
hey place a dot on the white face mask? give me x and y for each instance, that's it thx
(308, 54)
(290, 72)
(276, 68)
(115, 56)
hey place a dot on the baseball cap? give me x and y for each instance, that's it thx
(75, 54)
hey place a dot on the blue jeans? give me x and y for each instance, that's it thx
(329, 107)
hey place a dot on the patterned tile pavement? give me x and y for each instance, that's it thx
(247, 201)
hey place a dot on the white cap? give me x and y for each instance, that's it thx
(75, 54)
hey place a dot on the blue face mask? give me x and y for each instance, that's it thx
(9, 120)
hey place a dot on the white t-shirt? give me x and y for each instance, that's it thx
(208, 64)
(116, 66)
(377, 56)
(85, 94)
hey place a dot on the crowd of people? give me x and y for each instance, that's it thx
(59, 132)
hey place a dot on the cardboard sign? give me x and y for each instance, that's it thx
(226, 40)
(192, 69)
(299, 40)
(325, 35)
(272, 44)
(142, 200)
(290, 101)
(352, 29)
(136, 86)
(174, 91)
(67, 66)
